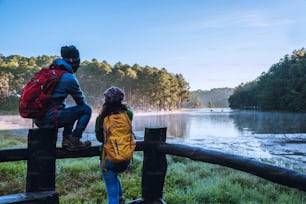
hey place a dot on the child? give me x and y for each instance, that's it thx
(113, 105)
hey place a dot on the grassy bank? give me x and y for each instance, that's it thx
(78, 181)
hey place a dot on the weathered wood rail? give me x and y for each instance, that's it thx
(42, 153)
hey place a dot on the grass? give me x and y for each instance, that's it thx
(79, 181)
(12, 141)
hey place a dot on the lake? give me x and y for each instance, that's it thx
(276, 137)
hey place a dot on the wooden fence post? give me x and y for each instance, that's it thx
(154, 167)
(41, 160)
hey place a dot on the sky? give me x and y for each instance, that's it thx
(212, 43)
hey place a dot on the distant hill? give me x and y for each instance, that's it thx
(214, 98)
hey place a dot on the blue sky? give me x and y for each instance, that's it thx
(213, 44)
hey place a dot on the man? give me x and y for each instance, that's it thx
(61, 115)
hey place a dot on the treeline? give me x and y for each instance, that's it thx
(214, 98)
(282, 88)
(145, 87)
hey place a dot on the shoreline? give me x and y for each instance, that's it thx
(13, 121)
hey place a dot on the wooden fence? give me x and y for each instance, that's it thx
(42, 153)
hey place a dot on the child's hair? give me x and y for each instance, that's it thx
(109, 108)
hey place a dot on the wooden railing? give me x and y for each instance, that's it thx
(42, 153)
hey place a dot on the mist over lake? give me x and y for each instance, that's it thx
(277, 137)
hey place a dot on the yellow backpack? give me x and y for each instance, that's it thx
(119, 144)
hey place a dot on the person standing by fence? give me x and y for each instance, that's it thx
(114, 121)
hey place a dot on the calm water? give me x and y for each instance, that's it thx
(279, 137)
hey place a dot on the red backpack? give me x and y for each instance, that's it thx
(35, 97)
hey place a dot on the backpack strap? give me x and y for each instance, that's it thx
(54, 66)
(130, 123)
(103, 160)
(105, 137)
(56, 119)
(55, 103)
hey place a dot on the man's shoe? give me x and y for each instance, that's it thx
(65, 142)
(74, 144)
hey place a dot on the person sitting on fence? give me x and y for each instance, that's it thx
(62, 115)
(114, 122)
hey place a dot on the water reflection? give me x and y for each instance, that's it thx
(268, 122)
(277, 136)
(176, 123)
(190, 123)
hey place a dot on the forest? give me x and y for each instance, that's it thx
(145, 87)
(282, 88)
